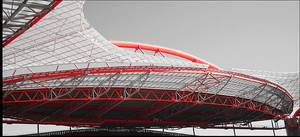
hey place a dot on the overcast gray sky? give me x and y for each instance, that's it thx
(231, 34)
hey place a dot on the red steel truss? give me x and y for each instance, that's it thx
(103, 70)
(85, 94)
(166, 104)
(116, 94)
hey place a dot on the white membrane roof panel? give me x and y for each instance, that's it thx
(64, 36)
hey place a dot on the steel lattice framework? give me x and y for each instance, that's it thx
(61, 71)
(289, 81)
(18, 16)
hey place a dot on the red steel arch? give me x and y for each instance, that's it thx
(148, 47)
(297, 113)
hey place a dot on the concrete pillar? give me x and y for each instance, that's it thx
(194, 131)
(38, 129)
(233, 130)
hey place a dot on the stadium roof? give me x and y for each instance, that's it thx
(61, 57)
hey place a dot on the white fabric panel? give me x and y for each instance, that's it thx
(64, 36)
(288, 80)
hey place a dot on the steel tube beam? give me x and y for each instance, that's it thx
(154, 48)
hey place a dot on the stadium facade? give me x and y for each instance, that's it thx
(58, 70)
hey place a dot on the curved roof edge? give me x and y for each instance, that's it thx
(150, 47)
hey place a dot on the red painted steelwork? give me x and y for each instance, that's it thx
(223, 101)
(78, 72)
(297, 113)
(152, 95)
(156, 49)
(31, 23)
